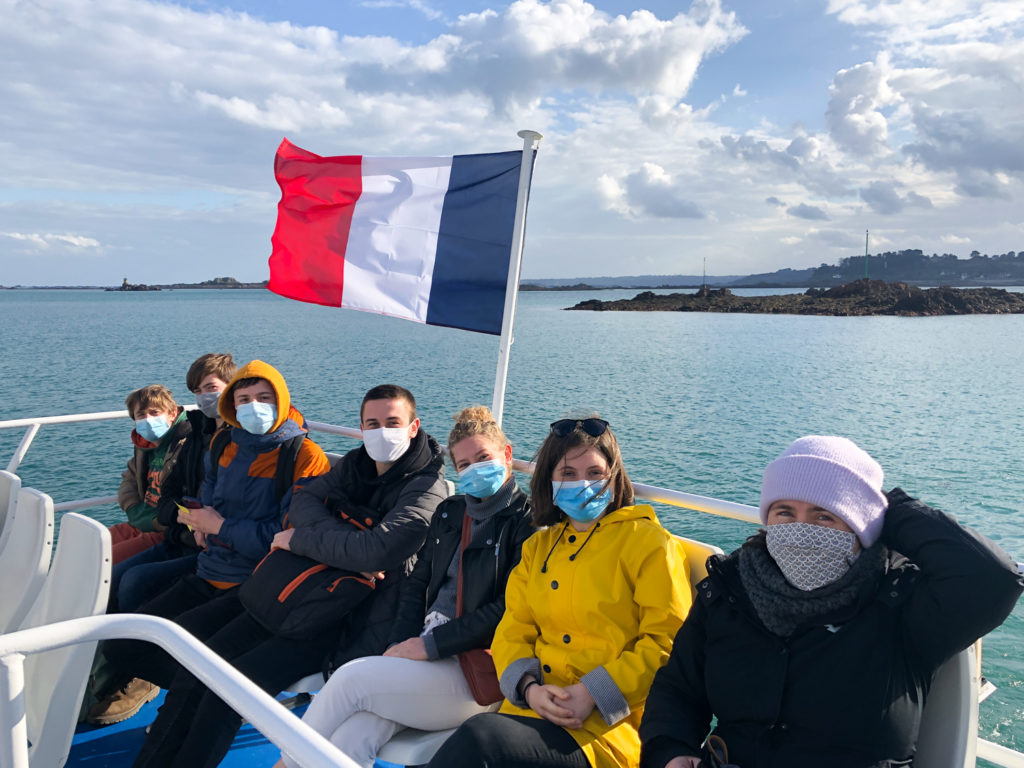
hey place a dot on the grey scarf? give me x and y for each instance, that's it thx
(781, 606)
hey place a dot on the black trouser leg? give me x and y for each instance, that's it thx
(137, 658)
(509, 741)
(273, 663)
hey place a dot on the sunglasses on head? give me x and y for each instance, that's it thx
(565, 427)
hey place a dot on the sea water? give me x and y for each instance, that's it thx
(700, 402)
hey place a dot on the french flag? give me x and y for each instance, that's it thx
(422, 238)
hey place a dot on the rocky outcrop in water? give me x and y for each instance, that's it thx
(862, 297)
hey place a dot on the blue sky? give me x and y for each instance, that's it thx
(138, 136)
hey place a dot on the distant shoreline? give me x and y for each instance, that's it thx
(859, 298)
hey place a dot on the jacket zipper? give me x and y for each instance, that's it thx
(334, 584)
(297, 581)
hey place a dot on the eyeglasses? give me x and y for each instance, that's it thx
(565, 427)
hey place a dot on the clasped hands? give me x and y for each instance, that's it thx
(567, 707)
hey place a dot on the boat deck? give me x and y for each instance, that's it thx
(115, 746)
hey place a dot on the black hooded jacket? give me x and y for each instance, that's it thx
(351, 518)
(185, 479)
(485, 572)
(846, 690)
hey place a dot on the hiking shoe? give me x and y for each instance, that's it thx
(122, 703)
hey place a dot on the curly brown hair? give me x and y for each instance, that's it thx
(553, 450)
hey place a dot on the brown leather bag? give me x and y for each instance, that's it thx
(477, 664)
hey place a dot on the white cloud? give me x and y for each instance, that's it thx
(884, 197)
(856, 99)
(45, 240)
(113, 107)
(809, 212)
(649, 192)
(955, 240)
(417, 5)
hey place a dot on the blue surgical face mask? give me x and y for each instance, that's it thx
(152, 428)
(207, 402)
(256, 418)
(582, 500)
(482, 479)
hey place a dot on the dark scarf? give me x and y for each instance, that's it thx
(782, 607)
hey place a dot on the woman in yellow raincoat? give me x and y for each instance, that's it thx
(591, 613)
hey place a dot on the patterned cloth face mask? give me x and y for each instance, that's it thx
(810, 556)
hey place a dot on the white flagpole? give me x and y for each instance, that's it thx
(531, 140)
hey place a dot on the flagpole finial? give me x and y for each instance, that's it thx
(529, 135)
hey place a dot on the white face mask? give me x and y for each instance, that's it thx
(810, 556)
(386, 444)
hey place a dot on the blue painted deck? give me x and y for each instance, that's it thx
(115, 746)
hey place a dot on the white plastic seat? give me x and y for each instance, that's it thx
(25, 555)
(308, 684)
(10, 485)
(77, 585)
(949, 723)
(414, 747)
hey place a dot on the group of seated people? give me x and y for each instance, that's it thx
(813, 644)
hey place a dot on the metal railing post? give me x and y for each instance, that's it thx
(22, 449)
(13, 729)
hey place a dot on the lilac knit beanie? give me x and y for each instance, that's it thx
(832, 473)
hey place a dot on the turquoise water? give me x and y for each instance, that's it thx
(700, 402)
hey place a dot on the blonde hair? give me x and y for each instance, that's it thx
(476, 420)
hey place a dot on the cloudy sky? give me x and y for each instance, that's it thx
(137, 137)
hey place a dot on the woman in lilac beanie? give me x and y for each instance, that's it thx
(815, 643)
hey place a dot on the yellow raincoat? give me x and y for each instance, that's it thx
(617, 604)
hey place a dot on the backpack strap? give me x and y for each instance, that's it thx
(218, 443)
(287, 457)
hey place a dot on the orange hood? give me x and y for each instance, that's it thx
(261, 370)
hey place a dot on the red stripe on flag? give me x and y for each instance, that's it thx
(318, 196)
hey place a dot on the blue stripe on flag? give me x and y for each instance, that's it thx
(475, 242)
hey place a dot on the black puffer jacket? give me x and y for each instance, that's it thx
(185, 479)
(485, 572)
(846, 691)
(351, 518)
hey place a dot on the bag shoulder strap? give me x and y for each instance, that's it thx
(467, 533)
(218, 443)
(287, 457)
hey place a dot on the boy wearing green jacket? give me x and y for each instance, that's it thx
(159, 433)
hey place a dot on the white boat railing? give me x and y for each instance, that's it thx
(653, 493)
(291, 735)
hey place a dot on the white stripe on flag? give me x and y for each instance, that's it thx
(389, 259)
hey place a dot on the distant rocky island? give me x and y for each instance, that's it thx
(217, 282)
(861, 297)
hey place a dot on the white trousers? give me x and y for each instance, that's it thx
(368, 700)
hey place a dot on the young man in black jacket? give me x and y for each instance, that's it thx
(369, 514)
